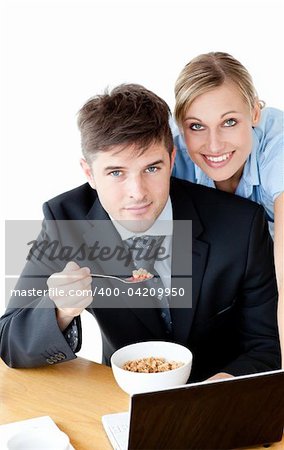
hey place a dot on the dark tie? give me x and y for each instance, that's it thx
(144, 251)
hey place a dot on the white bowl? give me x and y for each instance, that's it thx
(135, 382)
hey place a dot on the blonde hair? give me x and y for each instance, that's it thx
(208, 71)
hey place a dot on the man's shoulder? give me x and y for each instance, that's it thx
(204, 197)
(73, 204)
(218, 215)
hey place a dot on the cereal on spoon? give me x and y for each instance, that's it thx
(141, 274)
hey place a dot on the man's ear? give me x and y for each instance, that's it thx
(255, 114)
(88, 172)
(173, 155)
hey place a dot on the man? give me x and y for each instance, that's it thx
(229, 324)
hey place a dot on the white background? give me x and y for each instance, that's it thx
(58, 53)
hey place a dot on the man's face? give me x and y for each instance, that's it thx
(132, 188)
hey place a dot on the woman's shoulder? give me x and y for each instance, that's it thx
(269, 151)
(271, 123)
(268, 134)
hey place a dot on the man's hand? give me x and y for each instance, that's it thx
(220, 376)
(71, 280)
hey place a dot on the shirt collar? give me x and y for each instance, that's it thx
(163, 225)
(202, 178)
(250, 176)
(250, 173)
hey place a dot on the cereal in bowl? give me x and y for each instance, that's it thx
(151, 365)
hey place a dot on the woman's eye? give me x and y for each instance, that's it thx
(151, 169)
(196, 127)
(115, 173)
(230, 123)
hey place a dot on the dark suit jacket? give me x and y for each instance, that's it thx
(232, 324)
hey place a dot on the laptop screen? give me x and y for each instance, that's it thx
(226, 414)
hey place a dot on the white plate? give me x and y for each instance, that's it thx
(8, 430)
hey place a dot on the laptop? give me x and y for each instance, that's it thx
(222, 414)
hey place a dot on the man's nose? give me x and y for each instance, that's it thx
(215, 144)
(136, 188)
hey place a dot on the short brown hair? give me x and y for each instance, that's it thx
(208, 71)
(129, 115)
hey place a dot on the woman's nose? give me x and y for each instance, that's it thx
(215, 144)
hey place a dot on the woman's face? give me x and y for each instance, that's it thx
(218, 131)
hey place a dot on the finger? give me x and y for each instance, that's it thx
(79, 288)
(73, 269)
(71, 266)
(61, 279)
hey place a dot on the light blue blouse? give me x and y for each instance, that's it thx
(263, 176)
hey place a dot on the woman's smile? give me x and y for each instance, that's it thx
(217, 161)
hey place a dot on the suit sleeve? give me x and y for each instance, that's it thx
(257, 324)
(29, 332)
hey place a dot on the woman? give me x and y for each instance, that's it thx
(228, 140)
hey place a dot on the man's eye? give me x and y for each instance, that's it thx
(230, 123)
(196, 127)
(115, 173)
(152, 169)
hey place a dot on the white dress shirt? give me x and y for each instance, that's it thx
(163, 226)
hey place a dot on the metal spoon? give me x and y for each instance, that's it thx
(129, 280)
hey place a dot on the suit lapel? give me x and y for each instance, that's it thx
(182, 309)
(183, 315)
(101, 230)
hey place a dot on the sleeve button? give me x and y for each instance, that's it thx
(49, 360)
